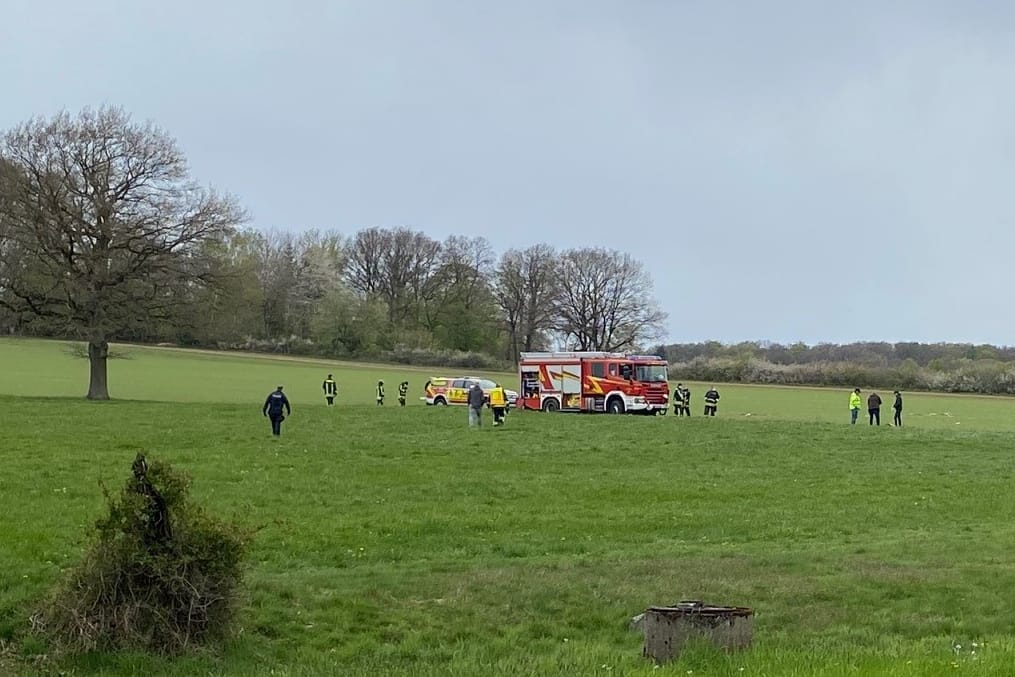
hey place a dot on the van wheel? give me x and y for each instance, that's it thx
(440, 402)
(615, 406)
(551, 405)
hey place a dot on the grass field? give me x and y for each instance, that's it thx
(396, 541)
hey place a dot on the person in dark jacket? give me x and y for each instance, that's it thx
(330, 389)
(711, 401)
(403, 390)
(273, 406)
(476, 399)
(874, 408)
(687, 402)
(678, 400)
(380, 393)
(898, 408)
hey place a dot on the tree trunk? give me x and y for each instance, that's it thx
(513, 343)
(98, 352)
(669, 629)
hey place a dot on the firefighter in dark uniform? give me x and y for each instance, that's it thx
(678, 400)
(686, 410)
(380, 393)
(330, 390)
(711, 401)
(403, 390)
(273, 406)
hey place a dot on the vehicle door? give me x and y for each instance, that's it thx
(459, 392)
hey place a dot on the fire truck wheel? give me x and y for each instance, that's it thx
(550, 404)
(440, 402)
(615, 406)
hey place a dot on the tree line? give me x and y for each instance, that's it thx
(397, 293)
(943, 367)
(104, 236)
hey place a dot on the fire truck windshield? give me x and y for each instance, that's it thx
(650, 373)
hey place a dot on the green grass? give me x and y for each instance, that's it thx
(396, 541)
(51, 369)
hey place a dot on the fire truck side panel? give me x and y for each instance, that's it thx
(594, 382)
(561, 382)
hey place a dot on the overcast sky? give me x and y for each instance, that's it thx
(788, 171)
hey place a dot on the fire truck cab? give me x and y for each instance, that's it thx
(613, 383)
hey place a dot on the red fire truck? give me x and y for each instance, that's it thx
(614, 383)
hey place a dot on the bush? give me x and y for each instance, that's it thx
(291, 345)
(442, 358)
(161, 575)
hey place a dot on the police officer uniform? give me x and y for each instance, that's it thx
(273, 406)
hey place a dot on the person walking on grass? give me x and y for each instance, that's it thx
(403, 390)
(475, 405)
(685, 399)
(854, 405)
(874, 408)
(678, 400)
(330, 389)
(898, 409)
(498, 403)
(273, 406)
(380, 393)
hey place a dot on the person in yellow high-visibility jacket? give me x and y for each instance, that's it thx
(854, 405)
(498, 403)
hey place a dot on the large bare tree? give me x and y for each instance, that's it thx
(397, 265)
(407, 270)
(527, 286)
(366, 258)
(113, 225)
(606, 301)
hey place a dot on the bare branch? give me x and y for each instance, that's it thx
(606, 303)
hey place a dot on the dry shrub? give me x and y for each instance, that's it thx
(161, 575)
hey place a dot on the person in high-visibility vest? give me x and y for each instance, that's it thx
(498, 403)
(711, 401)
(854, 405)
(403, 390)
(330, 390)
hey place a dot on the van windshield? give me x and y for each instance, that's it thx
(650, 373)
